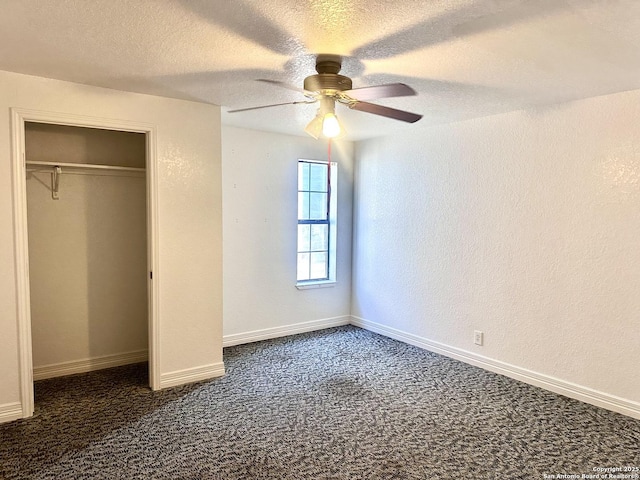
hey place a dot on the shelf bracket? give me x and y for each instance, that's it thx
(55, 182)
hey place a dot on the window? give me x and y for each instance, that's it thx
(316, 222)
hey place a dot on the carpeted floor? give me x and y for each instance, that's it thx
(341, 403)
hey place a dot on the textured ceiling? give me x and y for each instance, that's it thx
(466, 58)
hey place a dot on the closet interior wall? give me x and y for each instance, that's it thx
(87, 249)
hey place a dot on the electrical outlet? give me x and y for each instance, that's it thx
(478, 337)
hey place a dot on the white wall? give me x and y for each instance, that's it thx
(87, 249)
(525, 226)
(260, 225)
(189, 211)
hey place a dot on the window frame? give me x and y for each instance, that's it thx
(330, 220)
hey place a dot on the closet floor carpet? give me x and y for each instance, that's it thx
(341, 403)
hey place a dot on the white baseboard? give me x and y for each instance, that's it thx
(10, 412)
(572, 390)
(275, 332)
(88, 364)
(190, 375)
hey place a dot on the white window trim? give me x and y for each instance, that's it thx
(316, 284)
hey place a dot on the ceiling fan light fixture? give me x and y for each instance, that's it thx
(314, 128)
(325, 123)
(331, 126)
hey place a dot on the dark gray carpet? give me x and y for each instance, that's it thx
(341, 403)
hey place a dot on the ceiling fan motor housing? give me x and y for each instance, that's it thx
(327, 78)
(327, 81)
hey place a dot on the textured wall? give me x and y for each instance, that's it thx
(523, 225)
(260, 228)
(189, 215)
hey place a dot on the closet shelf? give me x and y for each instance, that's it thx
(89, 166)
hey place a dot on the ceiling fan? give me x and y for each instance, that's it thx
(328, 87)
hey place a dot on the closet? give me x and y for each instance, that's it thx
(87, 237)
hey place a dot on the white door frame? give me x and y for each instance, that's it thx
(18, 118)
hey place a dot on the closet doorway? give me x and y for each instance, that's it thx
(85, 210)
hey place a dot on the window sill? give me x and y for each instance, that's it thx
(310, 285)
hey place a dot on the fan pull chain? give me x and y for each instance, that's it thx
(329, 179)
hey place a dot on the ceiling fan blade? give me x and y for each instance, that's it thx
(381, 91)
(268, 106)
(283, 85)
(386, 111)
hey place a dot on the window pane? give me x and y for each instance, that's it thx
(303, 266)
(304, 234)
(303, 206)
(318, 265)
(319, 238)
(303, 176)
(317, 206)
(318, 180)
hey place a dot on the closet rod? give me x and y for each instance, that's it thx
(85, 165)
